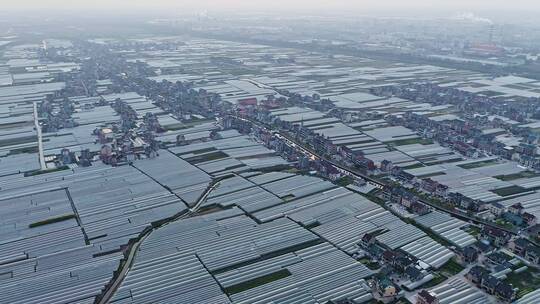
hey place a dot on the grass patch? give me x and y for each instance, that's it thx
(373, 265)
(490, 93)
(344, 181)
(33, 149)
(175, 127)
(411, 141)
(312, 225)
(39, 172)
(234, 167)
(18, 141)
(526, 281)
(14, 125)
(197, 152)
(321, 128)
(207, 157)
(374, 198)
(276, 168)
(524, 174)
(267, 256)
(474, 231)
(288, 197)
(238, 288)
(451, 268)
(364, 260)
(438, 279)
(52, 220)
(431, 175)
(418, 165)
(370, 264)
(478, 164)
(504, 224)
(509, 190)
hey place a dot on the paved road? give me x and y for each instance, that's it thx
(133, 247)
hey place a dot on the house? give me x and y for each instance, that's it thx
(386, 193)
(476, 274)
(505, 291)
(330, 148)
(496, 208)
(496, 236)
(386, 166)
(470, 204)
(367, 240)
(532, 254)
(397, 171)
(516, 209)
(392, 194)
(413, 273)
(333, 173)
(385, 287)
(402, 262)
(375, 250)
(534, 231)
(429, 185)
(419, 208)
(518, 246)
(497, 258)
(403, 175)
(105, 135)
(469, 254)
(247, 102)
(455, 198)
(426, 297)
(529, 219)
(490, 283)
(408, 198)
(389, 256)
(483, 246)
(442, 190)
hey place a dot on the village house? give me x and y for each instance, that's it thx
(518, 246)
(516, 209)
(385, 287)
(429, 185)
(534, 231)
(469, 254)
(489, 283)
(476, 274)
(532, 254)
(529, 219)
(426, 297)
(386, 166)
(407, 199)
(505, 291)
(419, 208)
(413, 273)
(496, 208)
(496, 236)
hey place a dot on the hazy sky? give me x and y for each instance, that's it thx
(356, 6)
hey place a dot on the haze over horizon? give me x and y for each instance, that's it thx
(508, 9)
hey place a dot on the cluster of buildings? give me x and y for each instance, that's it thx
(492, 285)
